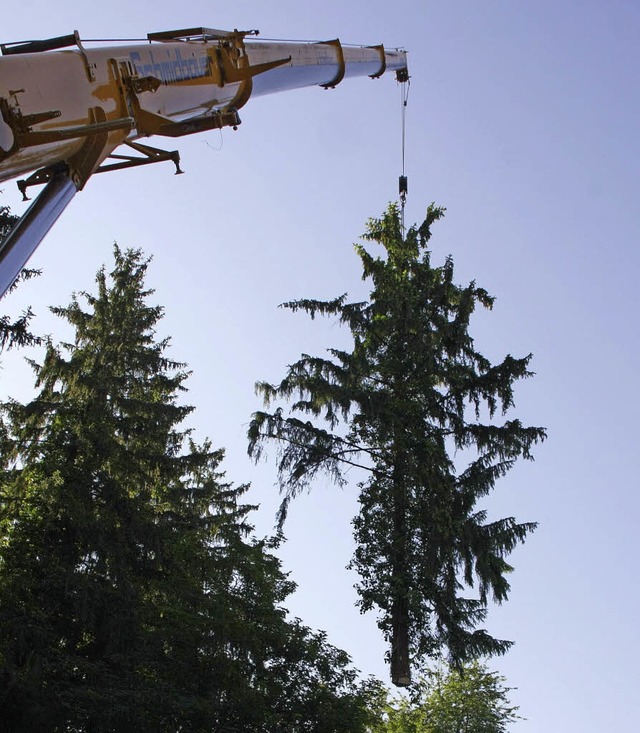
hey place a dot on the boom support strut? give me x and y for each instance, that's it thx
(33, 226)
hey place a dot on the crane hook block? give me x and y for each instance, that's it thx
(402, 186)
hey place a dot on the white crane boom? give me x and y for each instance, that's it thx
(65, 109)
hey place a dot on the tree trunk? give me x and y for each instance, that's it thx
(400, 662)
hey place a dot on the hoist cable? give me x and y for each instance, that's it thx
(403, 111)
(403, 188)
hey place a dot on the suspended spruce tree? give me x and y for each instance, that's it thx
(130, 594)
(412, 391)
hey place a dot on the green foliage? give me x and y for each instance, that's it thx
(131, 593)
(15, 333)
(466, 700)
(412, 394)
(7, 222)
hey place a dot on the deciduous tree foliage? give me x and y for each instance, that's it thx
(408, 404)
(131, 596)
(466, 700)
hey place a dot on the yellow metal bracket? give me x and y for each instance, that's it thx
(26, 137)
(341, 64)
(234, 67)
(232, 73)
(83, 163)
(80, 166)
(148, 155)
(149, 123)
(383, 62)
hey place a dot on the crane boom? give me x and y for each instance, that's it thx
(65, 109)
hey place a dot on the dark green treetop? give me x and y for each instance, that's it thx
(412, 392)
(131, 593)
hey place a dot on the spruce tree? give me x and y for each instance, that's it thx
(131, 595)
(408, 403)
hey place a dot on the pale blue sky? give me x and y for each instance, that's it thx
(522, 121)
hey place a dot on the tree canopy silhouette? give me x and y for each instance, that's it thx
(407, 403)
